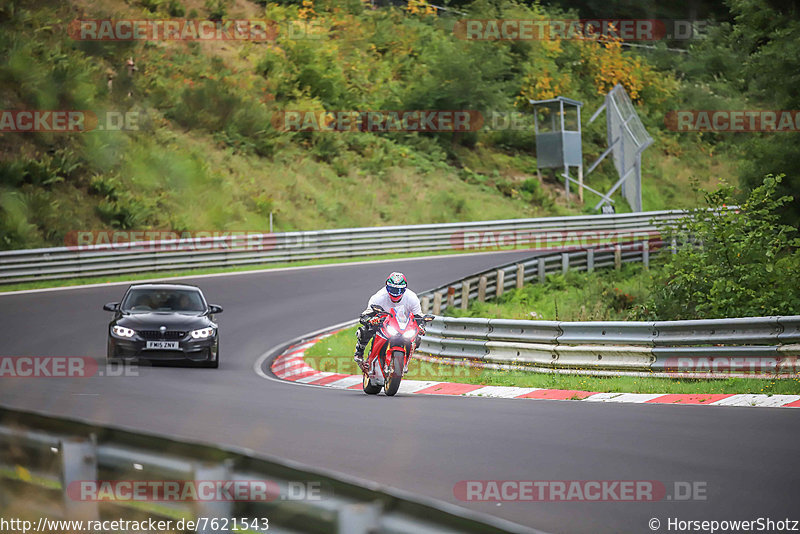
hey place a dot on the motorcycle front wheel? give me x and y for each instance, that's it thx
(392, 383)
(369, 389)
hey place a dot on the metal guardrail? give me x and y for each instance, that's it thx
(257, 249)
(496, 281)
(62, 452)
(757, 346)
(739, 346)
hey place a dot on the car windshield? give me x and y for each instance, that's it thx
(163, 300)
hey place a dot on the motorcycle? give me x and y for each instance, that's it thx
(391, 350)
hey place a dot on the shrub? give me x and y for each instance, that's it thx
(745, 262)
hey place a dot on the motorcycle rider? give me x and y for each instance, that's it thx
(395, 295)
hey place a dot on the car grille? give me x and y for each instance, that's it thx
(155, 335)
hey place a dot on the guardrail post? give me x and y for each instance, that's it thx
(451, 296)
(464, 294)
(437, 303)
(482, 289)
(358, 518)
(541, 269)
(501, 280)
(564, 262)
(617, 257)
(425, 304)
(520, 275)
(212, 509)
(646, 254)
(590, 260)
(78, 462)
(673, 245)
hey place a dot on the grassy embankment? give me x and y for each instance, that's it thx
(206, 155)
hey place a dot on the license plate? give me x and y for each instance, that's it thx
(163, 345)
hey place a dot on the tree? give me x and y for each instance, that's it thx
(759, 57)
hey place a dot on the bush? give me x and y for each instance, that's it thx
(745, 263)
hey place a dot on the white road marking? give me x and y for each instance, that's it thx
(345, 382)
(772, 401)
(412, 386)
(503, 392)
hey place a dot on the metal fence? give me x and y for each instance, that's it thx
(625, 128)
(259, 249)
(627, 139)
(56, 454)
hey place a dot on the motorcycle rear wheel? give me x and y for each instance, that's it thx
(392, 383)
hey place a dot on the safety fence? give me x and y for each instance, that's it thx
(123, 252)
(73, 469)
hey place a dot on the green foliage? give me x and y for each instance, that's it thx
(745, 262)
(217, 9)
(15, 229)
(577, 296)
(175, 8)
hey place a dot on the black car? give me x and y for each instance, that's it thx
(164, 322)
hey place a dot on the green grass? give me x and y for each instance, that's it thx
(335, 354)
(605, 295)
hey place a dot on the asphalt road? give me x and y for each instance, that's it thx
(746, 459)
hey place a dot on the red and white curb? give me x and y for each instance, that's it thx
(291, 366)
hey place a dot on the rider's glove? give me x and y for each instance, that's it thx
(375, 321)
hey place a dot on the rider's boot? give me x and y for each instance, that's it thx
(358, 357)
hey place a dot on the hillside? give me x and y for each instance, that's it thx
(206, 154)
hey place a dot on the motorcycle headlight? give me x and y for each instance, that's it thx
(121, 331)
(391, 331)
(409, 334)
(202, 333)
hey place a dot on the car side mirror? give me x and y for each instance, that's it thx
(377, 308)
(213, 308)
(111, 306)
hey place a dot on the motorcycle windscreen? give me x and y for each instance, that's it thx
(402, 316)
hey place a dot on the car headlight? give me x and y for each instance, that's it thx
(391, 331)
(121, 331)
(409, 334)
(202, 333)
